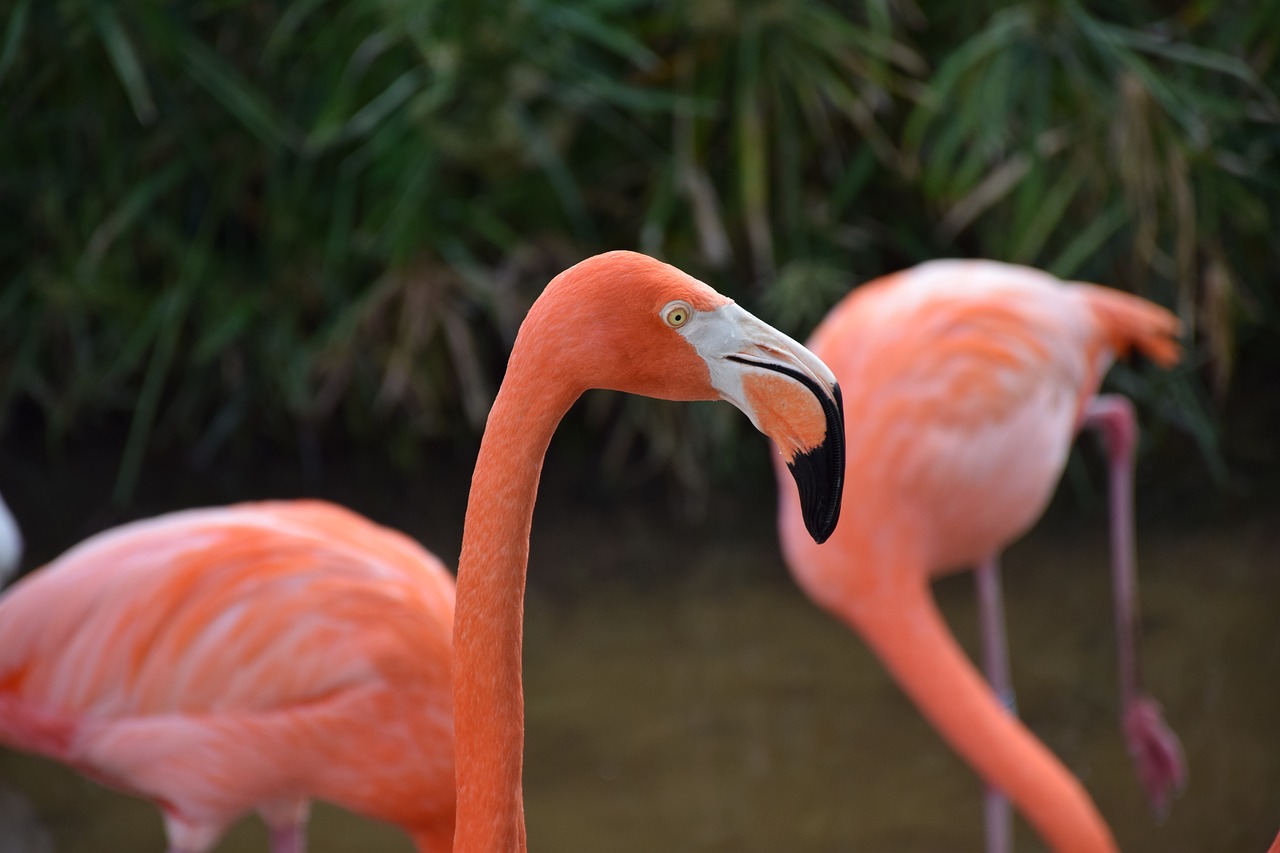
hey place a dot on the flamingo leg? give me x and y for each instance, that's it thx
(286, 825)
(291, 838)
(189, 837)
(1154, 747)
(997, 813)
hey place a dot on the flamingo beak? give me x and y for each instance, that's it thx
(816, 466)
(790, 396)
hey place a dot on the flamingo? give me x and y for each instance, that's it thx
(626, 322)
(231, 659)
(970, 380)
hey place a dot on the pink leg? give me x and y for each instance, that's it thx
(187, 837)
(288, 839)
(1154, 747)
(286, 825)
(998, 816)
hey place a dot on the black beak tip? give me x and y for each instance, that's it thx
(819, 476)
(819, 492)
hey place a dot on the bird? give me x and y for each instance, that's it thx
(251, 657)
(967, 381)
(627, 322)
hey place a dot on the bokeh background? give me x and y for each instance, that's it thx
(255, 249)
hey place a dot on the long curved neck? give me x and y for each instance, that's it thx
(489, 615)
(900, 620)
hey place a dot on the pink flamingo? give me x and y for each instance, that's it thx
(970, 380)
(247, 658)
(626, 322)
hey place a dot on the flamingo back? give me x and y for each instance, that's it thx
(964, 383)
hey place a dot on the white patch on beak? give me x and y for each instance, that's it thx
(731, 330)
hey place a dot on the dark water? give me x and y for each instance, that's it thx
(683, 695)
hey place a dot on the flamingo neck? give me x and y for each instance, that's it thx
(873, 575)
(489, 614)
(898, 617)
(433, 839)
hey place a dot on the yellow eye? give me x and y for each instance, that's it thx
(677, 314)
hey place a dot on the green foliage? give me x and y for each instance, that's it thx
(240, 218)
(1120, 147)
(1066, 140)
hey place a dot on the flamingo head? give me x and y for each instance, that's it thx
(644, 327)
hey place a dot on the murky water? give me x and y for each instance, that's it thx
(683, 695)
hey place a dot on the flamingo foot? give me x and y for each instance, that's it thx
(1156, 752)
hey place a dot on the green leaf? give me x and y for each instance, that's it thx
(557, 170)
(1031, 237)
(287, 27)
(1005, 26)
(242, 100)
(856, 176)
(1089, 241)
(125, 59)
(13, 36)
(371, 115)
(128, 212)
(1181, 53)
(614, 38)
(171, 313)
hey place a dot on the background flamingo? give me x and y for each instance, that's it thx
(970, 380)
(253, 657)
(630, 323)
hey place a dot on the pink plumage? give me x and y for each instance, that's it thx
(965, 383)
(252, 657)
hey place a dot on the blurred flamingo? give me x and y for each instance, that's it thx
(253, 657)
(626, 322)
(970, 380)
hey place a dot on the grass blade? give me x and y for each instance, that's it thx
(1089, 241)
(125, 60)
(13, 36)
(247, 104)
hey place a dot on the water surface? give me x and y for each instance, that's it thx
(683, 695)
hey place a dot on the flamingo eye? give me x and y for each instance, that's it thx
(676, 314)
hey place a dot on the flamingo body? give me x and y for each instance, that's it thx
(252, 657)
(966, 382)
